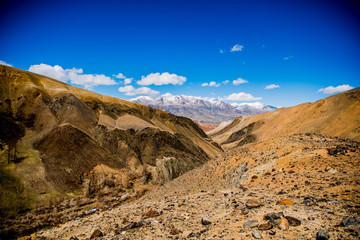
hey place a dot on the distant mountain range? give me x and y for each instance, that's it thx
(210, 111)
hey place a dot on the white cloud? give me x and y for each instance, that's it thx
(128, 80)
(288, 58)
(211, 84)
(241, 96)
(272, 86)
(75, 75)
(161, 79)
(225, 82)
(221, 51)
(338, 89)
(56, 72)
(4, 63)
(119, 76)
(237, 48)
(239, 81)
(131, 91)
(214, 84)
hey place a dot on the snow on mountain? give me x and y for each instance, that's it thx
(253, 108)
(202, 110)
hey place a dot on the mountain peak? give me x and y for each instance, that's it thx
(203, 110)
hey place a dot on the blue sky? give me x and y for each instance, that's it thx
(177, 46)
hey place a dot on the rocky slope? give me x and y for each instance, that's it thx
(303, 186)
(60, 141)
(338, 115)
(200, 110)
(289, 174)
(280, 185)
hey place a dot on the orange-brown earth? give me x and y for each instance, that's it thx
(337, 115)
(61, 142)
(289, 174)
(206, 127)
(311, 178)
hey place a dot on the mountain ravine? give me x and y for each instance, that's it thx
(61, 142)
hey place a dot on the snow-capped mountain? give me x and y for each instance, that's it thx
(203, 110)
(253, 108)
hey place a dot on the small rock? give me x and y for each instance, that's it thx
(174, 231)
(349, 221)
(251, 224)
(253, 203)
(332, 151)
(265, 226)
(330, 170)
(91, 211)
(125, 197)
(273, 216)
(244, 211)
(96, 233)
(322, 235)
(205, 221)
(256, 234)
(283, 224)
(152, 213)
(293, 221)
(272, 232)
(287, 202)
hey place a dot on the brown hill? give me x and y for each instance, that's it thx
(284, 160)
(281, 178)
(62, 134)
(311, 179)
(337, 115)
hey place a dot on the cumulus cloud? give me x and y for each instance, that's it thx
(338, 89)
(211, 84)
(241, 96)
(131, 91)
(271, 86)
(221, 51)
(119, 76)
(56, 72)
(225, 82)
(239, 81)
(161, 79)
(75, 75)
(214, 84)
(127, 80)
(4, 63)
(237, 48)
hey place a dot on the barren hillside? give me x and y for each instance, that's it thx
(338, 115)
(295, 187)
(55, 137)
